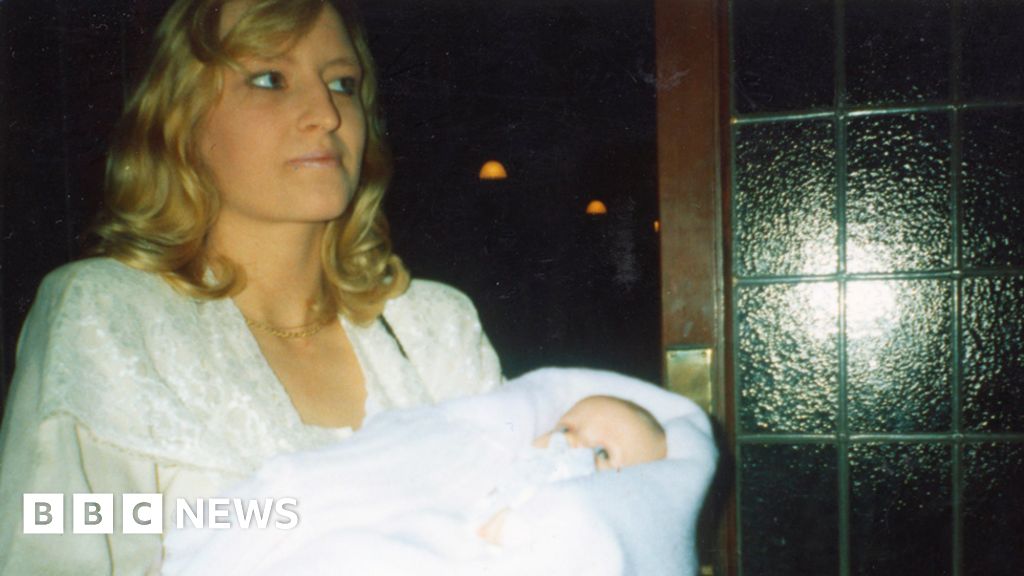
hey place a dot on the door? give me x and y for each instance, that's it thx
(842, 208)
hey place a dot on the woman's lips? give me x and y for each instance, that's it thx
(318, 159)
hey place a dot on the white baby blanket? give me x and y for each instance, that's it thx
(396, 497)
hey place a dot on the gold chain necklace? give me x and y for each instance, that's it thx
(300, 332)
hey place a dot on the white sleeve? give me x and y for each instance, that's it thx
(51, 463)
(110, 470)
(68, 460)
(69, 348)
(441, 334)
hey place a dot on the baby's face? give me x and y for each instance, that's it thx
(611, 427)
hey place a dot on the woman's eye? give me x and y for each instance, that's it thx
(345, 85)
(267, 80)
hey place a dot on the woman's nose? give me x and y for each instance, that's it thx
(320, 111)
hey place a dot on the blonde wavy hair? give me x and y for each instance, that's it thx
(160, 203)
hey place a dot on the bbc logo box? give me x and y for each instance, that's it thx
(92, 514)
(43, 514)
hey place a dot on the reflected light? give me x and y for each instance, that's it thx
(871, 309)
(657, 226)
(596, 207)
(818, 309)
(869, 256)
(493, 170)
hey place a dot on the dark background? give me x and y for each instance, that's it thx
(561, 92)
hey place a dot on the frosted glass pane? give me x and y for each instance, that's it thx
(994, 509)
(993, 49)
(898, 202)
(785, 199)
(900, 509)
(993, 187)
(789, 510)
(787, 357)
(899, 359)
(897, 51)
(993, 361)
(783, 54)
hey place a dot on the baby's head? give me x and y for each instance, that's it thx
(620, 432)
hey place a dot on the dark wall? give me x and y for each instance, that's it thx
(561, 92)
(66, 67)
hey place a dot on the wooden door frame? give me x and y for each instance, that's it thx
(691, 38)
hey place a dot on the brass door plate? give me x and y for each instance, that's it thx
(690, 373)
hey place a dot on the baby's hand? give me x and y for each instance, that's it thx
(491, 530)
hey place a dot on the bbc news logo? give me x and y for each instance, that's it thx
(143, 513)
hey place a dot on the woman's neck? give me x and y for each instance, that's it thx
(283, 273)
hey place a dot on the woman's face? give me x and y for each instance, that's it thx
(285, 140)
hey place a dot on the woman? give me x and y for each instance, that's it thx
(246, 302)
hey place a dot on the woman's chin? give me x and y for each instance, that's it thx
(325, 203)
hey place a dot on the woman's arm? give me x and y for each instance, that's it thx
(68, 459)
(440, 331)
(49, 462)
(80, 362)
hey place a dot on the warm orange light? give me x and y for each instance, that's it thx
(596, 207)
(493, 170)
(657, 226)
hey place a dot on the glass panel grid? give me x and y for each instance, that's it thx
(900, 509)
(937, 300)
(895, 51)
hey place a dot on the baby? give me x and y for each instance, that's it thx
(599, 433)
(474, 485)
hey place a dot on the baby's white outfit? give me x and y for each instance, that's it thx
(396, 497)
(538, 467)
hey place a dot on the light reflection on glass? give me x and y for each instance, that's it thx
(871, 310)
(899, 355)
(864, 255)
(788, 362)
(822, 301)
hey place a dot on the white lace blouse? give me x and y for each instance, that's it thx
(123, 385)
